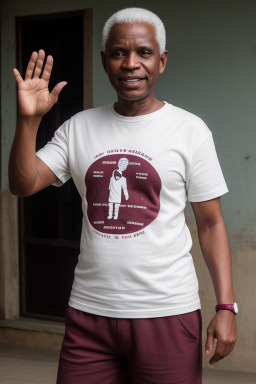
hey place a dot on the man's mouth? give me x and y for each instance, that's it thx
(132, 81)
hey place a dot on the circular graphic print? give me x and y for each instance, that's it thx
(122, 193)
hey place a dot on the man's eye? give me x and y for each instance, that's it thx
(145, 53)
(118, 54)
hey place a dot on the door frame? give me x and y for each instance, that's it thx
(87, 103)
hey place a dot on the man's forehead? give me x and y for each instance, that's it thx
(131, 28)
(142, 32)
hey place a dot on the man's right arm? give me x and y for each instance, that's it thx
(27, 173)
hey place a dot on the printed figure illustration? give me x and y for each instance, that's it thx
(116, 185)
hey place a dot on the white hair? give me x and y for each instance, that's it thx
(123, 160)
(136, 15)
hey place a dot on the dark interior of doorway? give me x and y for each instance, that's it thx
(50, 221)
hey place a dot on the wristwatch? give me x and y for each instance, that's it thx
(230, 307)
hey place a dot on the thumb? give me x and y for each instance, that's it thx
(17, 76)
(56, 91)
(209, 344)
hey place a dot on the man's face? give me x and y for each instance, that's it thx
(122, 166)
(132, 60)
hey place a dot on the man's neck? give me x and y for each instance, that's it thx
(137, 107)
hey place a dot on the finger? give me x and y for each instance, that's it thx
(31, 66)
(47, 68)
(222, 350)
(219, 354)
(56, 91)
(39, 64)
(215, 358)
(209, 344)
(17, 75)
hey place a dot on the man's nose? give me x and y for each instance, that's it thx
(131, 61)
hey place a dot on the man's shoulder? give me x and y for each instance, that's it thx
(96, 112)
(187, 116)
(190, 127)
(86, 120)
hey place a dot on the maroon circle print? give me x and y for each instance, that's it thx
(122, 192)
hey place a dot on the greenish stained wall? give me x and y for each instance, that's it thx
(211, 72)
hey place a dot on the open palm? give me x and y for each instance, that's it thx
(33, 92)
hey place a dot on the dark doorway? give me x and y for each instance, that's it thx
(50, 221)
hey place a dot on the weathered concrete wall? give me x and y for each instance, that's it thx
(9, 261)
(30, 339)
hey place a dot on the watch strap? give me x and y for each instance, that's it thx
(229, 307)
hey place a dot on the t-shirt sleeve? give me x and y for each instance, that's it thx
(205, 181)
(124, 184)
(55, 155)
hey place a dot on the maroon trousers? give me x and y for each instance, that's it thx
(105, 350)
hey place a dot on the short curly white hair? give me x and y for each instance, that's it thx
(124, 161)
(136, 15)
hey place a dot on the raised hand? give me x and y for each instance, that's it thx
(34, 97)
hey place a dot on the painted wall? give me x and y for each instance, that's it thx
(210, 72)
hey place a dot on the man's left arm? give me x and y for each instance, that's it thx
(216, 251)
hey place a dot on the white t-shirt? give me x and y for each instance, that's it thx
(139, 265)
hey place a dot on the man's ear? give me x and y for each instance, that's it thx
(163, 61)
(103, 59)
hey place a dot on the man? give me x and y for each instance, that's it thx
(134, 310)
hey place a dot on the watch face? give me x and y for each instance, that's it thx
(235, 307)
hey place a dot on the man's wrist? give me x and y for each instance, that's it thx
(29, 119)
(227, 307)
(28, 124)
